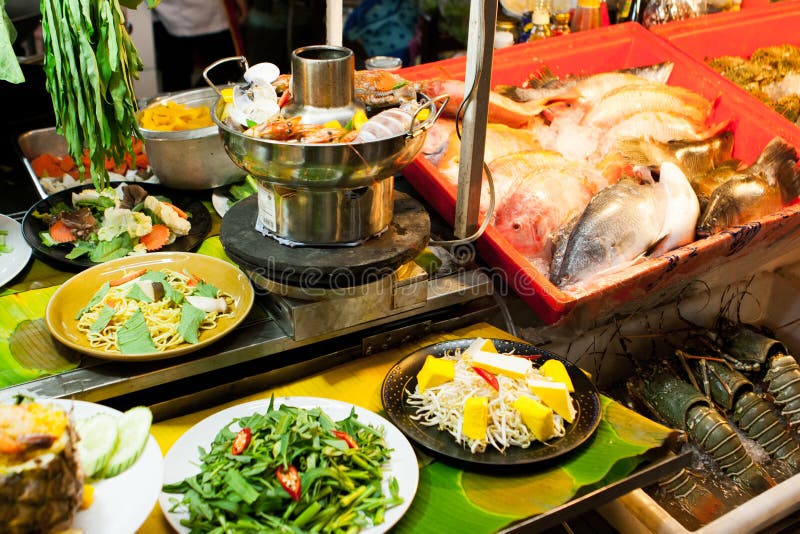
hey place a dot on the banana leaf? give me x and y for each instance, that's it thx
(488, 501)
(27, 350)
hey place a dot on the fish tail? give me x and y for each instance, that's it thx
(778, 162)
(636, 151)
(511, 91)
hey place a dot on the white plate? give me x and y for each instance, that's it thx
(183, 458)
(11, 263)
(121, 504)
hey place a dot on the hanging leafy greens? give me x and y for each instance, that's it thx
(9, 68)
(90, 62)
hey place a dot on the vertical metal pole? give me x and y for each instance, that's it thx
(482, 20)
(333, 22)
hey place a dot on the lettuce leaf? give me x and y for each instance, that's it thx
(103, 318)
(191, 318)
(136, 293)
(133, 337)
(119, 247)
(205, 290)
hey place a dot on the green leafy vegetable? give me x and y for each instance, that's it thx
(89, 63)
(133, 336)
(81, 248)
(103, 318)
(97, 297)
(205, 290)
(240, 191)
(340, 488)
(100, 203)
(44, 237)
(119, 247)
(191, 317)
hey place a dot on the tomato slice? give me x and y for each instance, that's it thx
(489, 377)
(241, 441)
(290, 481)
(350, 440)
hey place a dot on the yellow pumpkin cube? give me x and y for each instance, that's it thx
(555, 396)
(555, 369)
(434, 372)
(537, 417)
(476, 417)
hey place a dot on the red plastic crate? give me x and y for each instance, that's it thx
(614, 47)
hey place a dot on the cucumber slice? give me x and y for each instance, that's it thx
(134, 429)
(98, 441)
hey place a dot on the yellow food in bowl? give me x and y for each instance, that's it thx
(171, 117)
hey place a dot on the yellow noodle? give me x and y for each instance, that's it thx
(162, 317)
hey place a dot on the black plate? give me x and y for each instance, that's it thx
(31, 226)
(403, 377)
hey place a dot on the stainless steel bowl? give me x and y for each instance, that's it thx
(325, 166)
(189, 159)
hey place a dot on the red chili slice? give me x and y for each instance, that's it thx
(489, 377)
(350, 440)
(241, 441)
(290, 481)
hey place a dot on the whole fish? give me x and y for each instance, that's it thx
(747, 194)
(622, 102)
(535, 191)
(695, 158)
(620, 224)
(751, 193)
(587, 87)
(661, 126)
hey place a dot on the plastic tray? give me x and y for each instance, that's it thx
(737, 33)
(614, 47)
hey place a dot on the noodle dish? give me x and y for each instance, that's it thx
(149, 310)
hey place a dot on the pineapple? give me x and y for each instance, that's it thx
(41, 481)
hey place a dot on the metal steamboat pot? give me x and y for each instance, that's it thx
(323, 194)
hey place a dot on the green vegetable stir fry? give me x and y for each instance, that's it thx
(289, 470)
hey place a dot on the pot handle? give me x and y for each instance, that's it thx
(242, 61)
(417, 128)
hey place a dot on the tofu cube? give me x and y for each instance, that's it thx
(502, 364)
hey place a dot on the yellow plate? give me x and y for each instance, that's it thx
(76, 292)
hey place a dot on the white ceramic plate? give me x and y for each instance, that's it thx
(183, 458)
(11, 263)
(121, 504)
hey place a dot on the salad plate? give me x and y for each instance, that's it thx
(75, 293)
(121, 503)
(183, 459)
(402, 378)
(199, 217)
(14, 261)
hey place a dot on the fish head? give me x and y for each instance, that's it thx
(737, 201)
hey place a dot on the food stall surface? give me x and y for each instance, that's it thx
(450, 498)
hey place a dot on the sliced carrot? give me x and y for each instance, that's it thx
(180, 212)
(128, 277)
(41, 164)
(61, 233)
(138, 146)
(66, 164)
(193, 279)
(142, 161)
(157, 237)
